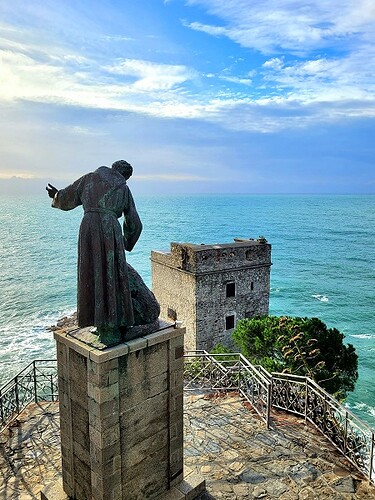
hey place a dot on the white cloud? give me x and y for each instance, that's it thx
(303, 90)
(24, 77)
(118, 38)
(238, 80)
(321, 79)
(276, 63)
(152, 76)
(283, 92)
(298, 27)
(209, 29)
(83, 131)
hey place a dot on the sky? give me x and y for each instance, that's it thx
(200, 96)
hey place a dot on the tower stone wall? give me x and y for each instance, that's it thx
(211, 287)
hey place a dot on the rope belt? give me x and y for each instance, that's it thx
(101, 211)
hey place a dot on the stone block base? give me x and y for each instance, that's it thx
(121, 416)
(189, 489)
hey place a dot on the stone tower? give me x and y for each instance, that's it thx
(211, 287)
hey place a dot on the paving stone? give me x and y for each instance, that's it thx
(275, 488)
(206, 469)
(290, 496)
(221, 486)
(345, 485)
(251, 476)
(241, 490)
(305, 472)
(259, 492)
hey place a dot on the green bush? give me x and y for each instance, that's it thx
(302, 346)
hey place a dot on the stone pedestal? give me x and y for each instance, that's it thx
(122, 418)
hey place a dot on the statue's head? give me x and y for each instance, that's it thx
(123, 167)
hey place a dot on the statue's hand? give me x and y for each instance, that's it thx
(51, 190)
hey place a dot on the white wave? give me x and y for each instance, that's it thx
(34, 319)
(321, 298)
(363, 336)
(27, 339)
(362, 407)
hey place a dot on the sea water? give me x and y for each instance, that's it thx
(323, 255)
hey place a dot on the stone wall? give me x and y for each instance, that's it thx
(121, 415)
(176, 293)
(213, 306)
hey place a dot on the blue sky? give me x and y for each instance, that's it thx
(247, 96)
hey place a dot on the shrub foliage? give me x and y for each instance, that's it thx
(302, 346)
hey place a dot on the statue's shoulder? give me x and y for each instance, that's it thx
(103, 170)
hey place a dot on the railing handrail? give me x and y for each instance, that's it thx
(204, 354)
(258, 369)
(255, 369)
(264, 372)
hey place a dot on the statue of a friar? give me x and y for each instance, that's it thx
(111, 297)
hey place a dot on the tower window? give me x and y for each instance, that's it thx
(229, 322)
(231, 289)
(252, 285)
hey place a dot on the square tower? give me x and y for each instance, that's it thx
(211, 287)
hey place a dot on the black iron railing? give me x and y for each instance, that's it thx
(36, 382)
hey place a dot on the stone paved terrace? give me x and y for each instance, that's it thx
(224, 441)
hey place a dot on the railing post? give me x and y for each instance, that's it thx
(1, 409)
(35, 384)
(325, 413)
(346, 431)
(211, 367)
(240, 370)
(51, 385)
(269, 401)
(371, 467)
(17, 395)
(306, 396)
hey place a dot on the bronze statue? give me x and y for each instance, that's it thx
(106, 299)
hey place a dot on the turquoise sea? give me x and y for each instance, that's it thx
(323, 254)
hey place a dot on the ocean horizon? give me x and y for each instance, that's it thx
(323, 255)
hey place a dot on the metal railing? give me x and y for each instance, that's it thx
(304, 397)
(36, 382)
(223, 372)
(292, 393)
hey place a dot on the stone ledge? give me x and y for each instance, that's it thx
(53, 492)
(76, 341)
(191, 486)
